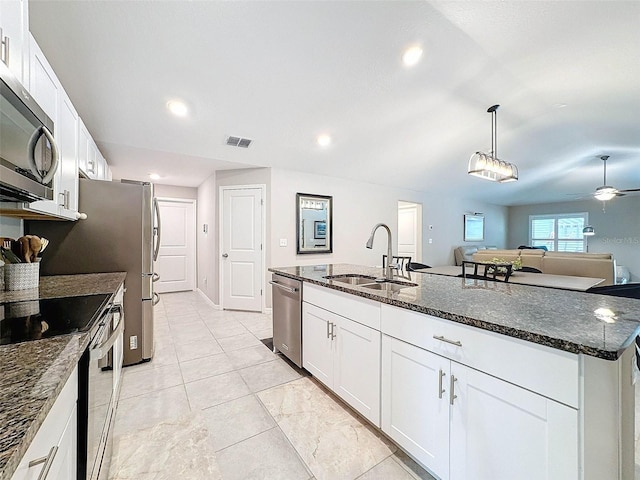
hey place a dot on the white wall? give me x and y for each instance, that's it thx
(207, 243)
(172, 191)
(357, 207)
(446, 215)
(617, 229)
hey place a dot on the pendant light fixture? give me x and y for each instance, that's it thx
(488, 166)
(588, 231)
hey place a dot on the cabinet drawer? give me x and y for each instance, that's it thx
(547, 371)
(52, 431)
(361, 310)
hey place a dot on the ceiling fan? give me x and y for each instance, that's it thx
(606, 192)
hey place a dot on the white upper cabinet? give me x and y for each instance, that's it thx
(84, 142)
(68, 144)
(46, 89)
(14, 26)
(43, 83)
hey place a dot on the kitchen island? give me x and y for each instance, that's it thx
(34, 373)
(537, 379)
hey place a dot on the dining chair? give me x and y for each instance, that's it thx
(413, 266)
(499, 272)
(400, 261)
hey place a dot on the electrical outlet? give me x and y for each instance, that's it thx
(205, 280)
(133, 342)
(283, 242)
(430, 240)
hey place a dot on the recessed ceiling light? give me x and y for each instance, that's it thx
(178, 108)
(154, 176)
(411, 55)
(324, 140)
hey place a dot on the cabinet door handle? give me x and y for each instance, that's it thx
(67, 199)
(48, 461)
(62, 199)
(440, 389)
(333, 327)
(328, 330)
(457, 343)
(452, 388)
(4, 42)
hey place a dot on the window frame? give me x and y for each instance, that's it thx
(556, 217)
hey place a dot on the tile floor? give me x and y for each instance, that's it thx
(216, 403)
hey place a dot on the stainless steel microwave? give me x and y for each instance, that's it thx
(28, 153)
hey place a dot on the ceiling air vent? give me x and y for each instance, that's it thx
(238, 142)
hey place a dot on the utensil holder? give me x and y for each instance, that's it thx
(21, 276)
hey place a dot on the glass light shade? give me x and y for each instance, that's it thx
(605, 193)
(490, 168)
(588, 231)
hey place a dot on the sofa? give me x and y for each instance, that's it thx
(465, 252)
(597, 265)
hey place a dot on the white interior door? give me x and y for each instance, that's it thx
(176, 256)
(410, 230)
(241, 261)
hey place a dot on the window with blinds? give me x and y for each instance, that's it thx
(559, 233)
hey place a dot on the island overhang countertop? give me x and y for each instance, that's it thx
(601, 326)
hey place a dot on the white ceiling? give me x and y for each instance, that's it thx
(566, 74)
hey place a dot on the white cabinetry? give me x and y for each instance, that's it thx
(499, 430)
(415, 407)
(341, 352)
(90, 161)
(14, 27)
(68, 144)
(55, 444)
(84, 147)
(464, 424)
(48, 92)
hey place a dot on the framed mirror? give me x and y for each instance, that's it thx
(314, 230)
(474, 228)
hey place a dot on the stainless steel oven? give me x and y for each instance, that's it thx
(100, 369)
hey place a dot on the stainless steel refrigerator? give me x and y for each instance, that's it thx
(121, 234)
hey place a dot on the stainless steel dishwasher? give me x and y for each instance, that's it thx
(287, 317)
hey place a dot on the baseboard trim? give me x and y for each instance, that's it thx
(208, 300)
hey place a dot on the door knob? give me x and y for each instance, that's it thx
(225, 255)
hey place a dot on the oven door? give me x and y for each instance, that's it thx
(101, 397)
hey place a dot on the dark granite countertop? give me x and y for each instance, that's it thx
(33, 373)
(575, 322)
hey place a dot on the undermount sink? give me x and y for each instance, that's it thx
(389, 285)
(351, 279)
(367, 281)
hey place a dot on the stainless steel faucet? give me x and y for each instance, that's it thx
(387, 270)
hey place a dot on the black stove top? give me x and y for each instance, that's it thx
(36, 319)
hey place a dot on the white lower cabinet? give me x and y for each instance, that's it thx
(499, 430)
(415, 402)
(463, 424)
(52, 454)
(345, 356)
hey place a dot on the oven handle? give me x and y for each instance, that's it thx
(101, 350)
(44, 175)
